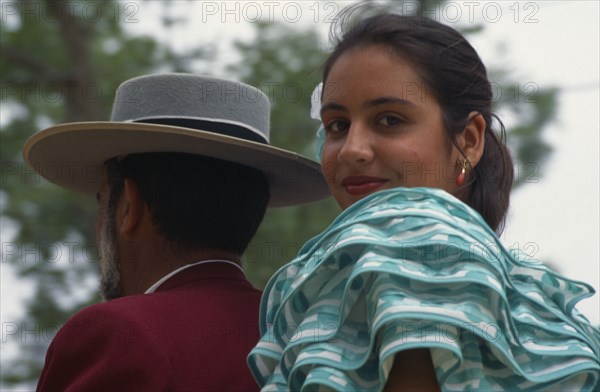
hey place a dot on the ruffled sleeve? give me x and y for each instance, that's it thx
(416, 268)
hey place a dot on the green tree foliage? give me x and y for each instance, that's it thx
(56, 66)
(59, 64)
(286, 64)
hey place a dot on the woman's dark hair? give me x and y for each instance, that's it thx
(451, 70)
(194, 201)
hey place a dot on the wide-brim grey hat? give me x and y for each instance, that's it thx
(182, 113)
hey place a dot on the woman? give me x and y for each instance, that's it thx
(410, 288)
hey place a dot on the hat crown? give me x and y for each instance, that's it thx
(188, 96)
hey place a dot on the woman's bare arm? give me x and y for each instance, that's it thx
(412, 371)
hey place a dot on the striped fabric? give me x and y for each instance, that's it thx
(416, 268)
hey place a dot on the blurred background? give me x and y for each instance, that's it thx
(61, 61)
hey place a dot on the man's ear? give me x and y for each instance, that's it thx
(472, 139)
(130, 209)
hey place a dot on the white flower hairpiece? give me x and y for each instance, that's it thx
(315, 110)
(315, 113)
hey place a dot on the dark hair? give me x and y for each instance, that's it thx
(194, 201)
(452, 71)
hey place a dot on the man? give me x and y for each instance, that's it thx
(183, 174)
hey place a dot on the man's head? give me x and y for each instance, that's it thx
(187, 172)
(195, 203)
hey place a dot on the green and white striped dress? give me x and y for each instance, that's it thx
(416, 268)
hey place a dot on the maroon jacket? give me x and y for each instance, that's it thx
(192, 334)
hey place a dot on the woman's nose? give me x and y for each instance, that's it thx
(357, 147)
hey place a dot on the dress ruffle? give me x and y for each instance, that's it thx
(416, 268)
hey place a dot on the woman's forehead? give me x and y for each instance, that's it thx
(371, 74)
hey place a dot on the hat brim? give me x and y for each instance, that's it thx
(72, 155)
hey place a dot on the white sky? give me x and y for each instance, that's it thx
(558, 217)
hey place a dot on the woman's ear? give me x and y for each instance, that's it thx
(472, 138)
(130, 209)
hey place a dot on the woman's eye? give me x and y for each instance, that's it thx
(337, 126)
(389, 121)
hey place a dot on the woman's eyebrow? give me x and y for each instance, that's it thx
(333, 106)
(368, 104)
(387, 100)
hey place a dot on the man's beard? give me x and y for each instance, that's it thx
(110, 277)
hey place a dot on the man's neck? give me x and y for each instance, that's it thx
(150, 267)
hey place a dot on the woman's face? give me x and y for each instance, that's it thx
(383, 129)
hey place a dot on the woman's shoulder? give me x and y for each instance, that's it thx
(416, 268)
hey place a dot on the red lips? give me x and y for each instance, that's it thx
(360, 185)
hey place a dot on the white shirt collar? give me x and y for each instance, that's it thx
(178, 270)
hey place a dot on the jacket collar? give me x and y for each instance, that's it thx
(206, 269)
